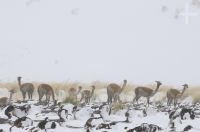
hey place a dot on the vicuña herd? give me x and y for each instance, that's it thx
(113, 93)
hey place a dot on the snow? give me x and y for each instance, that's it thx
(187, 101)
(84, 113)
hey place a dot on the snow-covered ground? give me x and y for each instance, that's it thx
(76, 122)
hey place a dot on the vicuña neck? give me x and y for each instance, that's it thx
(124, 85)
(10, 97)
(19, 82)
(156, 90)
(183, 91)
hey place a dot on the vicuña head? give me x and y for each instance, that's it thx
(93, 87)
(19, 78)
(158, 83)
(12, 91)
(185, 86)
(80, 87)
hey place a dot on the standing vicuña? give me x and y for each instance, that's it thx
(114, 90)
(73, 93)
(26, 88)
(174, 94)
(4, 101)
(87, 94)
(47, 90)
(146, 92)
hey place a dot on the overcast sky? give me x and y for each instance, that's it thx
(107, 40)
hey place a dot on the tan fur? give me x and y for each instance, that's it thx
(73, 93)
(47, 90)
(4, 101)
(86, 94)
(145, 92)
(174, 95)
(114, 90)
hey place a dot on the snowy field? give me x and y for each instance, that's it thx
(94, 114)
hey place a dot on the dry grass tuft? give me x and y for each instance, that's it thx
(70, 100)
(119, 106)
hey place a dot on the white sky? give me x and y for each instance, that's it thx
(107, 40)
